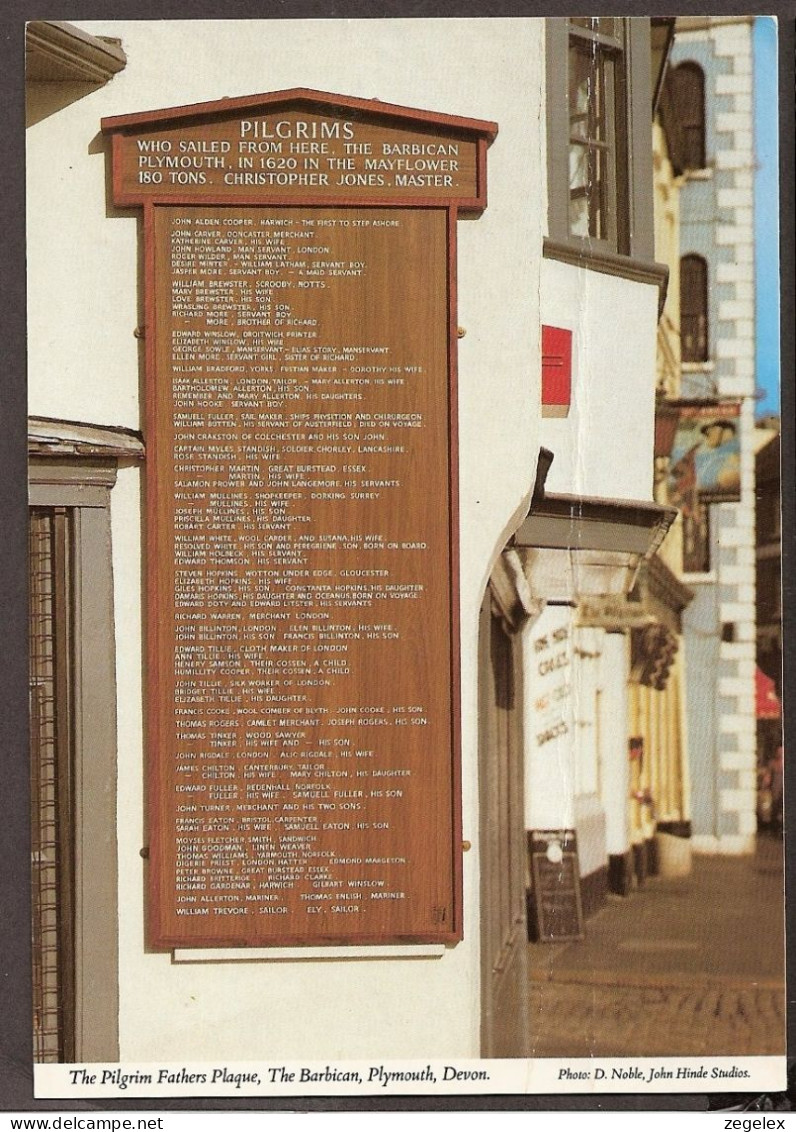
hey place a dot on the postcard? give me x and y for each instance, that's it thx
(405, 551)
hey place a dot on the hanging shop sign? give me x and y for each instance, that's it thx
(705, 461)
(612, 612)
(302, 545)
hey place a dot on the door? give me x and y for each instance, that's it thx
(504, 933)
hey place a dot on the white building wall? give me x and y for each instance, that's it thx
(603, 446)
(615, 767)
(85, 364)
(589, 808)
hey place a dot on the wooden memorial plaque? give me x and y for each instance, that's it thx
(302, 545)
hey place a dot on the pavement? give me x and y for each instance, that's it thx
(681, 967)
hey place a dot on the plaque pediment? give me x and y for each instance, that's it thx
(300, 145)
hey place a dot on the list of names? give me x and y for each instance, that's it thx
(302, 522)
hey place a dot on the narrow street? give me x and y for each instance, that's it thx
(682, 967)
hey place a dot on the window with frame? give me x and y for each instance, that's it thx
(688, 96)
(599, 114)
(693, 309)
(597, 130)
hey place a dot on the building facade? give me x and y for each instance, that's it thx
(712, 79)
(579, 654)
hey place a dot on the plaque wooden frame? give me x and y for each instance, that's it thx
(466, 196)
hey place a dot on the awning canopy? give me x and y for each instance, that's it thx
(577, 546)
(767, 705)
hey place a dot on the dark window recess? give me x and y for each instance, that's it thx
(696, 539)
(768, 514)
(694, 308)
(688, 96)
(51, 785)
(728, 631)
(769, 600)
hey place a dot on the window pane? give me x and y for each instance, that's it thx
(688, 91)
(586, 95)
(693, 309)
(693, 146)
(600, 25)
(591, 149)
(696, 539)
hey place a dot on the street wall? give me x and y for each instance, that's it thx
(86, 364)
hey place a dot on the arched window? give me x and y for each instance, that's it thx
(688, 95)
(693, 308)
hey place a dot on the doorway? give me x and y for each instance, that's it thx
(504, 933)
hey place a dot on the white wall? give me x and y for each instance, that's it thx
(603, 446)
(615, 776)
(85, 364)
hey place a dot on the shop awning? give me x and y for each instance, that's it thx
(766, 699)
(577, 546)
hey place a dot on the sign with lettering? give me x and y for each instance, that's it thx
(302, 516)
(613, 612)
(552, 660)
(300, 145)
(555, 875)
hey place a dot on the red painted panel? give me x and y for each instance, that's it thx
(556, 367)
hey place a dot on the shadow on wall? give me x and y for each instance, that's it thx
(43, 99)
